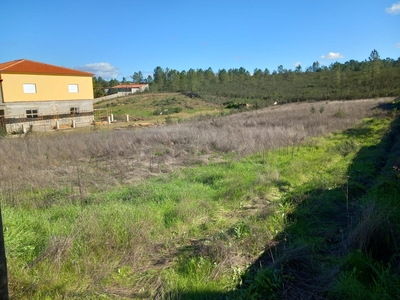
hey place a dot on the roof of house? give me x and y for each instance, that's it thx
(129, 86)
(25, 66)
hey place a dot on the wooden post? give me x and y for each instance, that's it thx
(3, 265)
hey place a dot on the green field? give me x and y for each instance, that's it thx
(295, 201)
(157, 107)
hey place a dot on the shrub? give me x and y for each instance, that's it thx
(339, 114)
(167, 111)
(266, 284)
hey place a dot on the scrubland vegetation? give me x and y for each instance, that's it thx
(296, 201)
(371, 78)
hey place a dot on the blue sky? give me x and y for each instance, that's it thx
(114, 39)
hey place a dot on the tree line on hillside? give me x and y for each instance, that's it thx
(373, 77)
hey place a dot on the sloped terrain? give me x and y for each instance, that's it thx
(286, 202)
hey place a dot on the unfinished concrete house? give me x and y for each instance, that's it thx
(41, 97)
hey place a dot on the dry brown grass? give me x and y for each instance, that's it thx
(102, 159)
(81, 162)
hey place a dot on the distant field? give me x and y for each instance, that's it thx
(156, 107)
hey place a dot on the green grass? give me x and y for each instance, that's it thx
(194, 233)
(149, 106)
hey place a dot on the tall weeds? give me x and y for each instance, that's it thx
(80, 162)
(75, 208)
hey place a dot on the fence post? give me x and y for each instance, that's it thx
(3, 264)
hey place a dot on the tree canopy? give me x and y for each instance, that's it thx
(373, 77)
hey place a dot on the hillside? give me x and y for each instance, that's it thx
(156, 107)
(351, 80)
(286, 202)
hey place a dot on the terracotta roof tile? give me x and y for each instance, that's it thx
(128, 86)
(26, 66)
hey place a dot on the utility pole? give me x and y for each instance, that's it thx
(3, 264)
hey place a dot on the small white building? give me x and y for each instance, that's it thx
(128, 89)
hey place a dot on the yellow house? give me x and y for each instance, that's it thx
(39, 96)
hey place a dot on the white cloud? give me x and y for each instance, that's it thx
(332, 55)
(101, 69)
(398, 45)
(296, 64)
(394, 9)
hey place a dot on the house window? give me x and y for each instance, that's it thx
(31, 113)
(29, 88)
(73, 88)
(74, 110)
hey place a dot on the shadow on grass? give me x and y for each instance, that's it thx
(308, 256)
(394, 105)
(324, 226)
